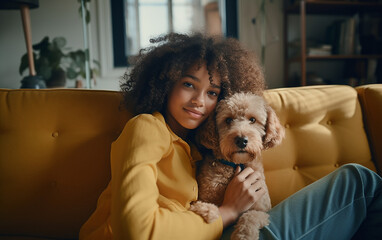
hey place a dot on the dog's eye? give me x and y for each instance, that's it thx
(228, 120)
(252, 120)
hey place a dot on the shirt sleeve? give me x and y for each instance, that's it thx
(137, 209)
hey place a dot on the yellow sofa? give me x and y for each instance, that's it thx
(55, 146)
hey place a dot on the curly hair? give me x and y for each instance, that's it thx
(157, 68)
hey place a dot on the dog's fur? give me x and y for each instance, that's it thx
(241, 116)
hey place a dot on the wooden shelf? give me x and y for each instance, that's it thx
(335, 7)
(304, 8)
(336, 57)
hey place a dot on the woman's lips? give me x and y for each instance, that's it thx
(194, 113)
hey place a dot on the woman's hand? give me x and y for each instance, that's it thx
(242, 192)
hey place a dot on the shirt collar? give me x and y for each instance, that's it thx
(160, 117)
(190, 148)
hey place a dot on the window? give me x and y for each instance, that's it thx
(136, 21)
(149, 18)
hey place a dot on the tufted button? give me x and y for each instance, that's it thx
(329, 122)
(336, 165)
(287, 125)
(213, 163)
(295, 167)
(55, 134)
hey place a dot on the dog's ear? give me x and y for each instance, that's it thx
(207, 134)
(274, 131)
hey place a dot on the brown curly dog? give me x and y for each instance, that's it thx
(245, 125)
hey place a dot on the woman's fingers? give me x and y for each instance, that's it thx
(254, 177)
(248, 174)
(252, 182)
(257, 186)
(238, 170)
(244, 174)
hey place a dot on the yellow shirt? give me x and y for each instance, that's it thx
(152, 185)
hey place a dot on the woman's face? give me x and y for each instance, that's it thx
(191, 100)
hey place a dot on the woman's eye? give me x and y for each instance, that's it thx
(252, 120)
(187, 84)
(228, 120)
(212, 93)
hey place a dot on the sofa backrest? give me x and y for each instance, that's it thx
(324, 130)
(54, 158)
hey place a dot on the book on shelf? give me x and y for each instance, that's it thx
(321, 50)
(313, 48)
(343, 35)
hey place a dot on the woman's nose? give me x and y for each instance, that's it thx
(198, 100)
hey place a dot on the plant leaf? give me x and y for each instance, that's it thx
(87, 12)
(23, 64)
(71, 73)
(59, 42)
(87, 16)
(97, 63)
(55, 57)
(42, 45)
(44, 68)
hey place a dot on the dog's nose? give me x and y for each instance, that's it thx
(241, 142)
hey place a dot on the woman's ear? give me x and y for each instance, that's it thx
(274, 131)
(207, 134)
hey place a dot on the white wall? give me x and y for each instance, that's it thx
(61, 18)
(53, 18)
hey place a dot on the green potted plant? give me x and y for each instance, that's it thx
(54, 65)
(76, 66)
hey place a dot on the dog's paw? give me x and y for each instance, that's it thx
(208, 211)
(249, 225)
(263, 204)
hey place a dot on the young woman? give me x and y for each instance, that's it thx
(173, 88)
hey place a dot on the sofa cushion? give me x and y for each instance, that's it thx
(324, 130)
(54, 158)
(370, 97)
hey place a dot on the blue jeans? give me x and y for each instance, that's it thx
(345, 204)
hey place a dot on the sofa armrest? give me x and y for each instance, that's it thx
(370, 97)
